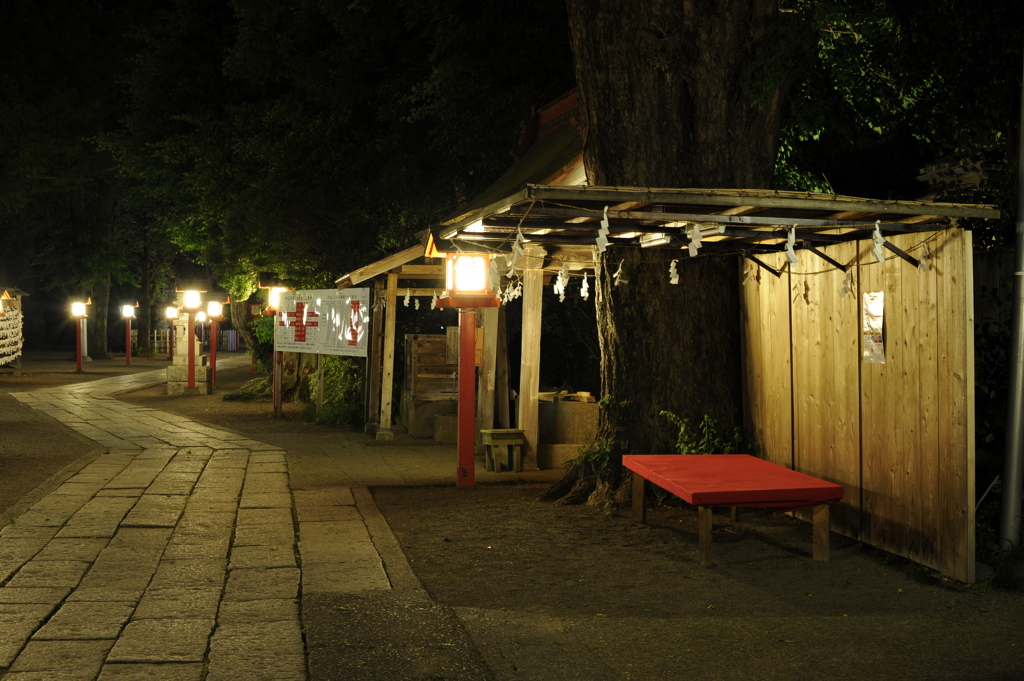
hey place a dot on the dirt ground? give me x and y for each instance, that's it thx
(634, 595)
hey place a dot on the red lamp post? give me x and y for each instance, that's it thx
(79, 315)
(128, 312)
(467, 288)
(215, 313)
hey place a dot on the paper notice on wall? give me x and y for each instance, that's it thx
(873, 327)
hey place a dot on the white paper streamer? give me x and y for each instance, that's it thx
(693, 233)
(673, 274)
(924, 262)
(602, 234)
(585, 289)
(877, 237)
(790, 243)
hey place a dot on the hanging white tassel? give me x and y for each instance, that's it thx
(790, 243)
(673, 274)
(433, 301)
(602, 234)
(585, 289)
(416, 303)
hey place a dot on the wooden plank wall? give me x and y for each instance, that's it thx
(898, 436)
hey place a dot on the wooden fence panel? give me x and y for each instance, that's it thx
(898, 436)
(767, 358)
(826, 418)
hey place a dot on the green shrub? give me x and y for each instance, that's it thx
(343, 394)
(707, 440)
(252, 390)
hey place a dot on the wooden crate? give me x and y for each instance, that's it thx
(428, 375)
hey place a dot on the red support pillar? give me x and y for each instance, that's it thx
(128, 340)
(213, 353)
(78, 344)
(466, 473)
(190, 338)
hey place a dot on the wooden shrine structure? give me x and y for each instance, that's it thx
(898, 436)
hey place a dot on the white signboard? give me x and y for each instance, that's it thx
(325, 321)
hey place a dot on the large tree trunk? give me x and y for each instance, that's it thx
(665, 103)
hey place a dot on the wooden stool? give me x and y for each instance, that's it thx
(510, 440)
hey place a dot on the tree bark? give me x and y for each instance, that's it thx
(99, 316)
(666, 101)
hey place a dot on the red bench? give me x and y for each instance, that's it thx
(732, 480)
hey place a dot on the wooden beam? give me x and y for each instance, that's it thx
(411, 271)
(384, 430)
(381, 266)
(421, 292)
(755, 198)
(376, 343)
(488, 372)
(529, 375)
(501, 379)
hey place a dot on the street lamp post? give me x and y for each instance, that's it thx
(192, 303)
(78, 313)
(128, 312)
(467, 288)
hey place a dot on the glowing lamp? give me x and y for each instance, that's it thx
(192, 299)
(200, 316)
(128, 311)
(274, 296)
(467, 281)
(214, 309)
(171, 312)
(78, 309)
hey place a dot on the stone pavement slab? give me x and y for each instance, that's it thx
(152, 672)
(180, 602)
(86, 621)
(163, 640)
(61, 658)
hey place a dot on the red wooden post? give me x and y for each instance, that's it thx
(213, 352)
(128, 340)
(466, 473)
(191, 340)
(78, 344)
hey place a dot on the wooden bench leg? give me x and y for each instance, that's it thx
(518, 457)
(704, 532)
(489, 457)
(821, 532)
(732, 515)
(639, 501)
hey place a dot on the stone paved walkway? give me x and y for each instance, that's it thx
(174, 556)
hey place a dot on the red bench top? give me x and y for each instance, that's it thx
(732, 480)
